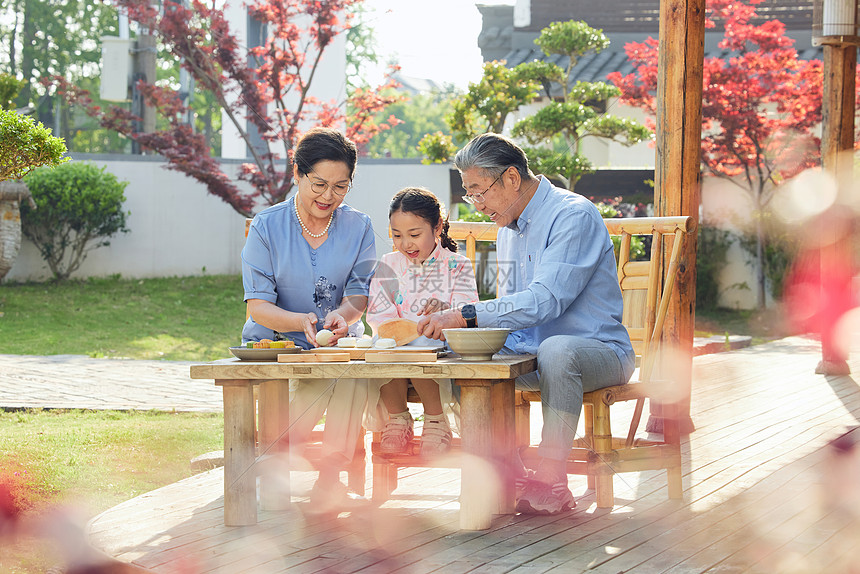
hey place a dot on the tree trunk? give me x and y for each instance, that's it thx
(761, 276)
(28, 41)
(11, 195)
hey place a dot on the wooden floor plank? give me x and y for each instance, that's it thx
(755, 473)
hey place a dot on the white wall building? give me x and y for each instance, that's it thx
(178, 229)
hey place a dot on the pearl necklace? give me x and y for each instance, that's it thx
(308, 231)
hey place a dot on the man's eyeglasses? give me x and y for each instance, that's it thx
(479, 197)
(320, 186)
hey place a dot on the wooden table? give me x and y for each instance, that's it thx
(486, 411)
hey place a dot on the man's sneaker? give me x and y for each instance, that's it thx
(522, 481)
(542, 498)
(396, 435)
(435, 437)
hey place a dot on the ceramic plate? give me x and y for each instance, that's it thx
(246, 354)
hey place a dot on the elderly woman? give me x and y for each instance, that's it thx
(307, 263)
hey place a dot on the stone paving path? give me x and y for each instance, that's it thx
(81, 382)
(78, 381)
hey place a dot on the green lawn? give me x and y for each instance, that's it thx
(178, 318)
(762, 326)
(95, 460)
(84, 462)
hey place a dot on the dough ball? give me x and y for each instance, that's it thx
(364, 343)
(346, 342)
(386, 344)
(324, 337)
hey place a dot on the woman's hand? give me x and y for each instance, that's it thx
(433, 305)
(309, 326)
(335, 323)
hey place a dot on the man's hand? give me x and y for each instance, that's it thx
(431, 325)
(433, 305)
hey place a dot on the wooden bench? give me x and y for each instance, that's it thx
(646, 292)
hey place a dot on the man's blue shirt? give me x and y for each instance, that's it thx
(557, 276)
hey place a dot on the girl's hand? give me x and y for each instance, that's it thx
(433, 305)
(309, 326)
(335, 323)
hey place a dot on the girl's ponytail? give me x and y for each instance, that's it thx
(445, 239)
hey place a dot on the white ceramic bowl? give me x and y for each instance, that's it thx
(476, 344)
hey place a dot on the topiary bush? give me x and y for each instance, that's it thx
(26, 144)
(78, 207)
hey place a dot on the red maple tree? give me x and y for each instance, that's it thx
(272, 93)
(760, 105)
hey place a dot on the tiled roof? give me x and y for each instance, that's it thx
(642, 15)
(595, 67)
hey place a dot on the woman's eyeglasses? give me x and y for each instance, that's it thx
(319, 186)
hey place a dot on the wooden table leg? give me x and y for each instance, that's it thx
(274, 409)
(504, 442)
(240, 492)
(478, 498)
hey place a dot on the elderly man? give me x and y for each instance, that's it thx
(558, 293)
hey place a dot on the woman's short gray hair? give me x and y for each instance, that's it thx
(492, 153)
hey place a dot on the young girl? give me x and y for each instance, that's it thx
(423, 275)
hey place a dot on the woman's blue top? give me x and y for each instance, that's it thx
(279, 266)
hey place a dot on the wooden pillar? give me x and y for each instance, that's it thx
(678, 169)
(837, 144)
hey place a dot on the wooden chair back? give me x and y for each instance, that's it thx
(643, 287)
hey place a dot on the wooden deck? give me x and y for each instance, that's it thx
(764, 491)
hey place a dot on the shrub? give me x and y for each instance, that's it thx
(637, 243)
(779, 250)
(711, 257)
(78, 206)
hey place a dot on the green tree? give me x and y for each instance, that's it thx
(561, 126)
(9, 88)
(484, 108)
(360, 47)
(421, 114)
(488, 103)
(84, 134)
(44, 38)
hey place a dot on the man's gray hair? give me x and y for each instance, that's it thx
(493, 154)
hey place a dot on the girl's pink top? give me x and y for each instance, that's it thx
(400, 288)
